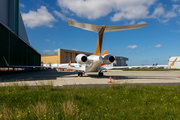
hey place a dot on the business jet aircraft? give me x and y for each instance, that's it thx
(96, 62)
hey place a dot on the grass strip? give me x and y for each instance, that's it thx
(114, 102)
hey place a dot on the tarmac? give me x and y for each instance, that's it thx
(70, 79)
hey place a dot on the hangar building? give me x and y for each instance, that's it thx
(63, 56)
(120, 61)
(14, 42)
(176, 61)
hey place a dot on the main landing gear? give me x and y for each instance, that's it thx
(80, 74)
(100, 74)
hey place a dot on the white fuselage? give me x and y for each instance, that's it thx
(93, 63)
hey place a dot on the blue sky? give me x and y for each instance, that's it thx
(47, 29)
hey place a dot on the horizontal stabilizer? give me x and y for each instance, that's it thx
(97, 28)
(85, 26)
(123, 27)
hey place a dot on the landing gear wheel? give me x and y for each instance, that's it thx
(80, 74)
(100, 74)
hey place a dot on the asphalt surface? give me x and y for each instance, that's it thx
(69, 79)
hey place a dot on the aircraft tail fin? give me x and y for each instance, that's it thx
(101, 29)
(174, 62)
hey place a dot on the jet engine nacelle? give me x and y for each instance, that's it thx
(81, 58)
(108, 59)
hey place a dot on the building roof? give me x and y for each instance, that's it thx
(171, 59)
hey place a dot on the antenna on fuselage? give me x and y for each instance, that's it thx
(101, 29)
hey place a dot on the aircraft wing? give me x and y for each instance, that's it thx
(72, 66)
(116, 67)
(163, 66)
(14, 66)
(65, 66)
(68, 67)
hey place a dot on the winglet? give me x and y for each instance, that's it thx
(105, 52)
(6, 61)
(70, 63)
(174, 62)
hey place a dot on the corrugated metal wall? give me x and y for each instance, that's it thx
(16, 51)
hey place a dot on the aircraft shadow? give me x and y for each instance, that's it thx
(53, 74)
(35, 76)
(118, 77)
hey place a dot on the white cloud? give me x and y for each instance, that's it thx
(38, 18)
(115, 52)
(170, 14)
(164, 16)
(176, 7)
(176, 31)
(75, 49)
(132, 46)
(131, 12)
(93, 9)
(54, 42)
(164, 21)
(159, 11)
(158, 46)
(142, 22)
(175, 0)
(47, 51)
(131, 9)
(65, 11)
(121, 9)
(129, 51)
(56, 50)
(178, 21)
(47, 40)
(63, 17)
(138, 52)
(132, 22)
(21, 5)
